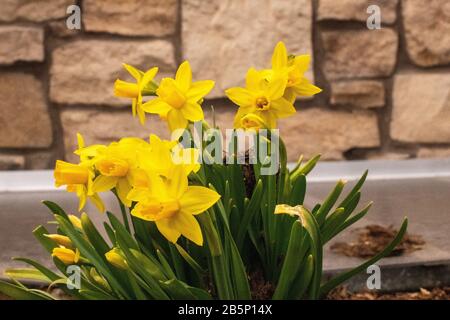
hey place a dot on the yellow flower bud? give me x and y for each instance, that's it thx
(61, 240)
(68, 256)
(114, 257)
(76, 222)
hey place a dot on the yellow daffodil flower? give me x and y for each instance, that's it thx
(67, 256)
(134, 91)
(262, 98)
(291, 68)
(162, 155)
(172, 204)
(78, 179)
(178, 99)
(115, 163)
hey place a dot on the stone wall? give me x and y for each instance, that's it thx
(386, 92)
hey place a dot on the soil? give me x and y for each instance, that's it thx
(341, 293)
(261, 290)
(372, 239)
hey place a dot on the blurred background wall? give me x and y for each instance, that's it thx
(386, 91)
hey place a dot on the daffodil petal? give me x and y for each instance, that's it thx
(282, 108)
(279, 57)
(276, 88)
(199, 89)
(197, 199)
(183, 76)
(176, 120)
(147, 77)
(123, 187)
(166, 228)
(305, 88)
(178, 182)
(188, 226)
(240, 96)
(97, 201)
(253, 79)
(103, 183)
(156, 106)
(192, 111)
(135, 73)
(302, 62)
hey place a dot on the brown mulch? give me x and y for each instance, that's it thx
(373, 238)
(3, 297)
(260, 289)
(341, 293)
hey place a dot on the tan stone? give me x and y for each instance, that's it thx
(355, 10)
(427, 31)
(21, 44)
(11, 162)
(105, 127)
(84, 71)
(421, 107)
(132, 17)
(317, 130)
(359, 53)
(33, 10)
(358, 93)
(433, 152)
(41, 160)
(222, 39)
(24, 118)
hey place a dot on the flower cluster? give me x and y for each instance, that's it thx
(144, 177)
(269, 94)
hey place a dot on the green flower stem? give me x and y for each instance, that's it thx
(123, 210)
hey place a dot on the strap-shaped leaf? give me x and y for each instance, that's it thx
(291, 262)
(329, 202)
(19, 293)
(347, 275)
(298, 191)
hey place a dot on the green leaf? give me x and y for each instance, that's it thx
(93, 235)
(19, 293)
(307, 168)
(310, 224)
(251, 210)
(26, 274)
(120, 229)
(291, 262)
(298, 191)
(347, 275)
(91, 254)
(56, 209)
(147, 270)
(177, 290)
(95, 295)
(350, 221)
(194, 265)
(354, 190)
(329, 202)
(301, 283)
